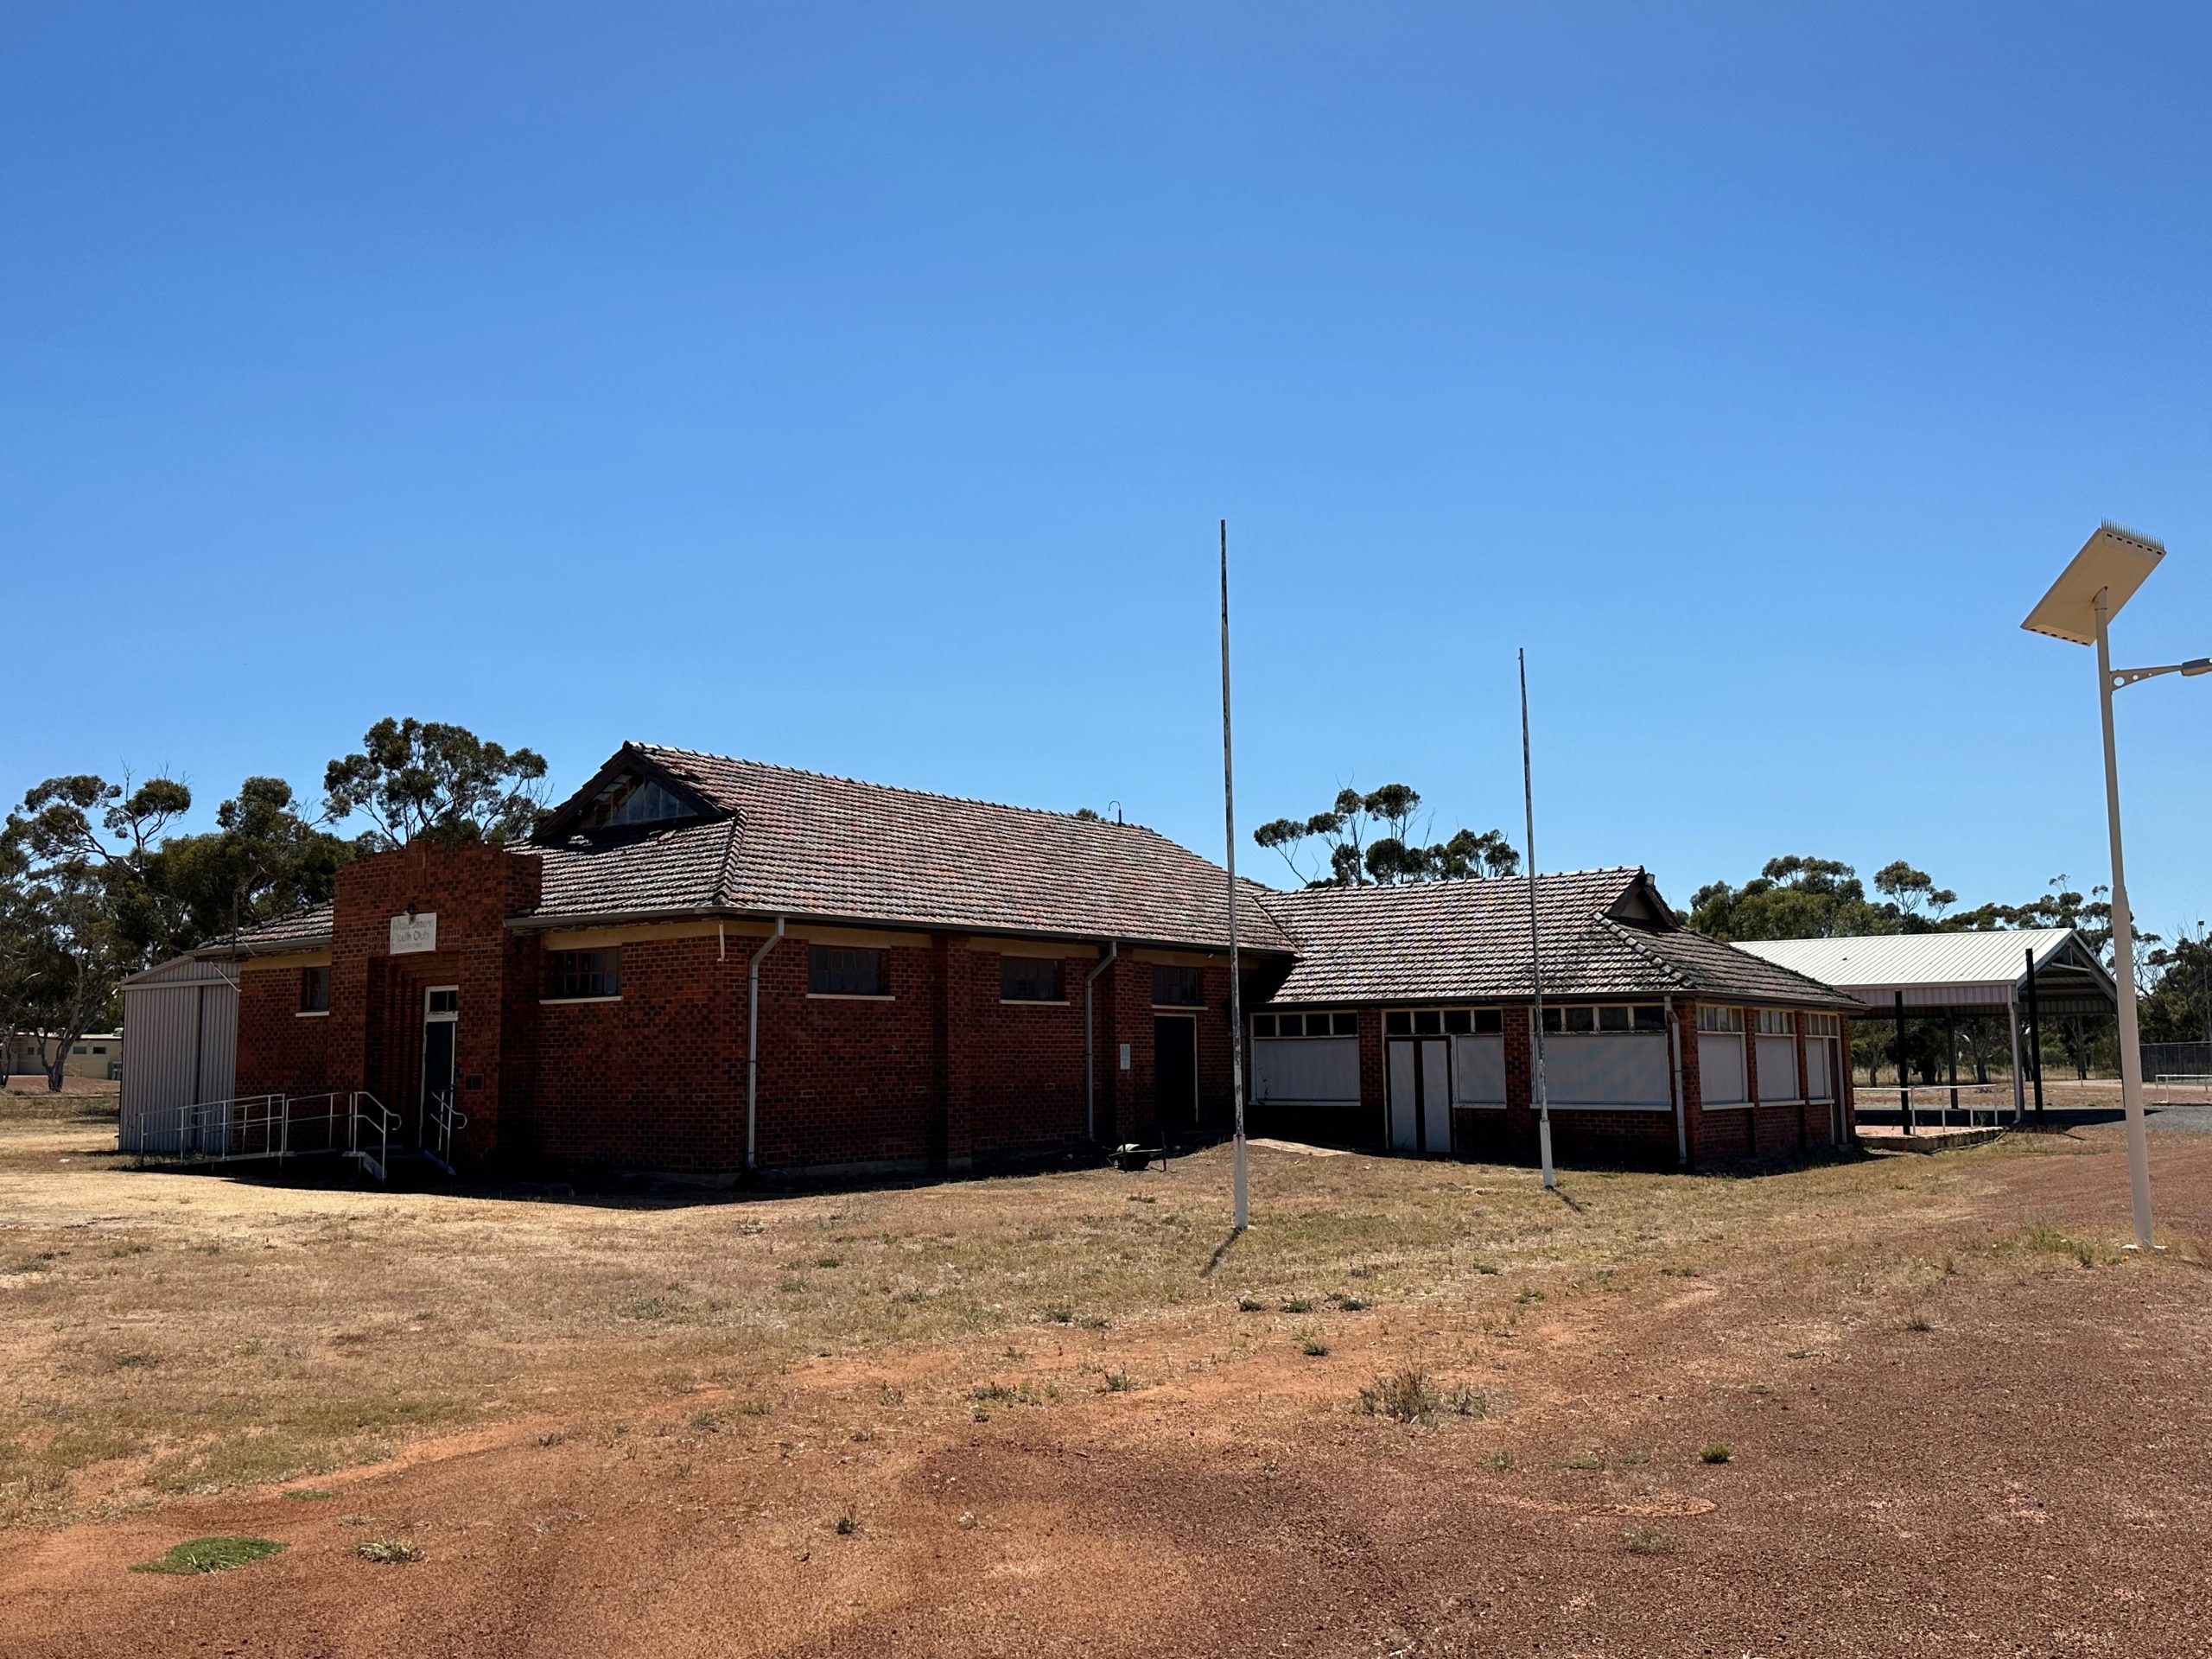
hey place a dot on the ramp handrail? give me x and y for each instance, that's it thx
(212, 1130)
(447, 1121)
(368, 1112)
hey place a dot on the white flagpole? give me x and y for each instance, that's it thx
(1242, 1211)
(1535, 958)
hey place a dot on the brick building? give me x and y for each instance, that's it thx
(706, 964)
(1407, 1019)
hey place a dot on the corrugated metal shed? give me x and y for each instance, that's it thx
(1979, 971)
(180, 1028)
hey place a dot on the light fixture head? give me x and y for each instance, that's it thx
(2114, 563)
(2197, 665)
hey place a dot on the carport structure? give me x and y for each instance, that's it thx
(2025, 974)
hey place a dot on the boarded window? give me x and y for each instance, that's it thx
(1305, 1072)
(572, 975)
(1818, 1085)
(846, 970)
(1478, 1071)
(1028, 979)
(1777, 1067)
(1175, 988)
(315, 990)
(1607, 1068)
(1720, 1063)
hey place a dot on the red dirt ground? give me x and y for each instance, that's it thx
(2029, 1474)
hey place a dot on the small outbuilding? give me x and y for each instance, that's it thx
(182, 1019)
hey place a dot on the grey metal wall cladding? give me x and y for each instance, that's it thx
(1311, 1071)
(180, 1049)
(1607, 1068)
(1478, 1070)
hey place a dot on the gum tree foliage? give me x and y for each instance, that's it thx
(80, 848)
(263, 860)
(92, 889)
(2178, 1008)
(418, 781)
(1374, 839)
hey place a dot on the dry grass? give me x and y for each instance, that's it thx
(182, 1333)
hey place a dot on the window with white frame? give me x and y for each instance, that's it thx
(1723, 1076)
(1608, 1054)
(1444, 1022)
(1608, 1016)
(1305, 1059)
(1338, 1024)
(1820, 1059)
(1776, 1044)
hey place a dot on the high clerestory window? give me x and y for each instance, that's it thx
(581, 976)
(1029, 979)
(846, 970)
(631, 799)
(1175, 988)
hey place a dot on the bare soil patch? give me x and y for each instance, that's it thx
(1068, 1414)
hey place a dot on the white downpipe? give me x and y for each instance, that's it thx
(1090, 1057)
(2123, 962)
(1675, 1063)
(752, 1046)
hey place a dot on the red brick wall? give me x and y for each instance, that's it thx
(280, 1051)
(943, 1073)
(375, 1035)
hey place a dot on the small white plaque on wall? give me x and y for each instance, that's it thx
(1125, 1057)
(413, 934)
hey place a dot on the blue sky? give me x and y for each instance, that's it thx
(858, 387)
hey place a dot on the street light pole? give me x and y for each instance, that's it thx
(2123, 953)
(2079, 607)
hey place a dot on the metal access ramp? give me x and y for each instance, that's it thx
(350, 1124)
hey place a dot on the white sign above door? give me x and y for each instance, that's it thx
(413, 934)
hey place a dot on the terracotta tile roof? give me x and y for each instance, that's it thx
(1603, 933)
(802, 843)
(308, 929)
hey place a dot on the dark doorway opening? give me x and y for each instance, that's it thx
(1175, 1071)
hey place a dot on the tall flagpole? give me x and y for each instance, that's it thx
(1535, 958)
(1242, 1213)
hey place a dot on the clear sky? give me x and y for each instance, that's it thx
(858, 386)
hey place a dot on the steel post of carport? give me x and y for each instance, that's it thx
(2019, 1083)
(1905, 1081)
(2035, 1035)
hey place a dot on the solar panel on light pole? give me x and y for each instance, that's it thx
(2079, 609)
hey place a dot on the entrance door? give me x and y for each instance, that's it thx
(1175, 1070)
(441, 1025)
(1420, 1096)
